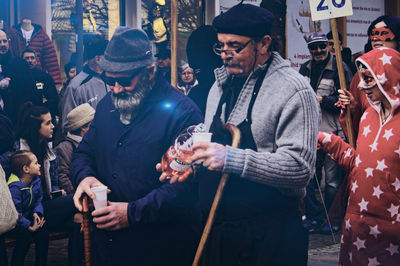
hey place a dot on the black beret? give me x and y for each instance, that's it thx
(246, 20)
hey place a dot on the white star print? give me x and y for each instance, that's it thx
(359, 244)
(367, 130)
(374, 146)
(347, 224)
(369, 171)
(377, 192)
(393, 249)
(398, 151)
(354, 187)
(397, 89)
(388, 134)
(363, 205)
(358, 160)
(396, 184)
(386, 59)
(373, 262)
(347, 153)
(382, 78)
(364, 116)
(373, 230)
(327, 138)
(381, 165)
(394, 210)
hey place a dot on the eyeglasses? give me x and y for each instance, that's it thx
(4, 41)
(186, 73)
(218, 50)
(315, 46)
(123, 81)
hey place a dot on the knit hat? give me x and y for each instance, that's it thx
(245, 20)
(128, 50)
(316, 37)
(80, 116)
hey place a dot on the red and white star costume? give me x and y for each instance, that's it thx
(371, 228)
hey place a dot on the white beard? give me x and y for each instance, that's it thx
(127, 103)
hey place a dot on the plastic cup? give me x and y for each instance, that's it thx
(101, 197)
(202, 136)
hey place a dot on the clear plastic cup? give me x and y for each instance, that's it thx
(201, 136)
(101, 197)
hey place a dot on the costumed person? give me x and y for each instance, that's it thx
(146, 222)
(258, 221)
(371, 228)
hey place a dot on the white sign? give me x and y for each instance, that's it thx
(225, 5)
(299, 25)
(326, 9)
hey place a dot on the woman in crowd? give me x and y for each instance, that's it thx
(371, 229)
(187, 80)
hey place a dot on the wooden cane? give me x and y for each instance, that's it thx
(86, 229)
(236, 136)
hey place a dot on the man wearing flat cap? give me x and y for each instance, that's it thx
(276, 110)
(146, 222)
(322, 73)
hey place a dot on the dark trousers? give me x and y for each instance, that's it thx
(272, 240)
(3, 251)
(24, 239)
(59, 214)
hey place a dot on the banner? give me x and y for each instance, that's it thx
(364, 12)
(224, 5)
(299, 25)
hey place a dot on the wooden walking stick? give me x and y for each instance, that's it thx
(86, 229)
(235, 132)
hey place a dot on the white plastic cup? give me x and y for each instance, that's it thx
(201, 136)
(101, 197)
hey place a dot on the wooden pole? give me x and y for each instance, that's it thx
(174, 43)
(235, 132)
(86, 230)
(342, 79)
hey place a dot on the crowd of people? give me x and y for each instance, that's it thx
(112, 122)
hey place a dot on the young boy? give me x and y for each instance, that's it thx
(25, 188)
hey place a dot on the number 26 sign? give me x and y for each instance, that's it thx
(326, 9)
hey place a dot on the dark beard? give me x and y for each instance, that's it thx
(127, 103)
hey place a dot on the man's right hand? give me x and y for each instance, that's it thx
(85, 187)
(346, 97)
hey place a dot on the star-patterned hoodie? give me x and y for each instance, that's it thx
(371, 228)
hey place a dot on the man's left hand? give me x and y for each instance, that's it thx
(113, 217)
(211, 154)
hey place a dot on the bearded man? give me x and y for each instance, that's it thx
(146, 222)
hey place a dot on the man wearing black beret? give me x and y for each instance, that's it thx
(276, 110)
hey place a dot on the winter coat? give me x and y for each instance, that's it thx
(163, 217)
(21, 88)
(49, 166)
(27, 199)
(46, 89)
(45, 50)
(327, 87)
(371, 228)
(65, 150)
(86, 87)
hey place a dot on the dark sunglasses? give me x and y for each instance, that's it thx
(123, 81)
(314, 46)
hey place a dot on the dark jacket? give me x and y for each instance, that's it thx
(46, 88)
(27, 199)
(327, 87)
(45, 51)
(22, 86)
(163, 217)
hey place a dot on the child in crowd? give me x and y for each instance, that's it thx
(26, 191)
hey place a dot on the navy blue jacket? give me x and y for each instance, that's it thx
(123, 157)
(27, 199)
